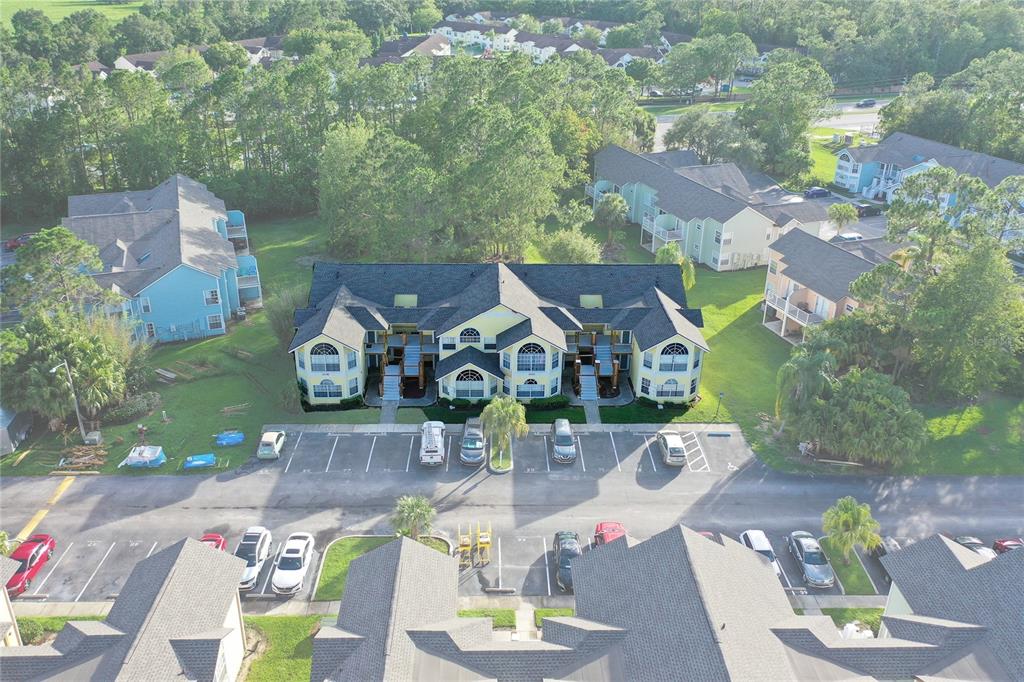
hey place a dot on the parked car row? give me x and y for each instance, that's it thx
(256, 548)
(567, 546)
(31, 556)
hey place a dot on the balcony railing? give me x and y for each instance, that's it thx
(589, 189)
(802, 316)
(248, 281)
(774, 300)
(648, 222)
(668, 235)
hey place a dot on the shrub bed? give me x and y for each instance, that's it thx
(133, 406)
(555, 402)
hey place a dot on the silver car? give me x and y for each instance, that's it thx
(813, 562)
(563, 448)
(472, 449)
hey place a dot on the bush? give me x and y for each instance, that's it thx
(461, 404)
(346, 404)
(134, 406)
(555, 402)
(31, 631)
(646, 402)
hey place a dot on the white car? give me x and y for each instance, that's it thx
(255, 548)
(673, 452)
(432, 451)
(270, 445)
(758, 541)
(290, 572)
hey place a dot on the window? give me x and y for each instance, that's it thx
(215, 322)
(490, 343)
(353, 359)
(448, 343)
(212, 296)
(530, 358)
(145, 305)
(714, 260)
(445, 389)
(849, 308)
(675, 357)
(725, 261)
(670, 389)
(718, 236)
(555, 358)
(530, 389)
(505, 388)
(469, 384)
(696, 358)
(625, 336)
(648, 359)
(324, 358)
(353, 387)
(326, 389)
(300, 358)
(645, 386)
(494, 388)
(150, 330)
(506, 361)
(773, 267)
(469, 335)
(768, 236)
(693, 387)
(554, 386)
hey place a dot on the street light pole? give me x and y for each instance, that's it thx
(74, 394)
(721, 395)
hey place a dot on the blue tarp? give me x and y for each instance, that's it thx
(200, 461)
(226, 438)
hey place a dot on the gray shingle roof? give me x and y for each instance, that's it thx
(820, 266)
(560, 43)
(611, 55)
(674, 158)
(909, 150)
(488, 362)
(145, 234)
(466, 26)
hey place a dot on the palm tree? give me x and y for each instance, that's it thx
(413, 515)
(841, 215)
(669, 254)
(807, 374)
(503, 419)
(849, 524)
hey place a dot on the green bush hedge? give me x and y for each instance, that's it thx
(555, 402)
(133, 406)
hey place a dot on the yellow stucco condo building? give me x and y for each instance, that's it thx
(471, 331)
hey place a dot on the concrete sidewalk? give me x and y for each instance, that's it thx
(838, 601)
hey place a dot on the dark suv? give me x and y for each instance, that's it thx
(864, 209)
(888, 545)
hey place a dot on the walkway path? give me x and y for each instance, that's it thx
(592, 411)
(389, 412)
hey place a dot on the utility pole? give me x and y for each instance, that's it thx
(74, 394)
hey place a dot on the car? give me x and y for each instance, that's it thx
(816, 193)
(888, 545)
(655, 92)
(757, 540)
(270, 445)
(975, 545)
(472, 450)
(847, 237)
(255, 548)
(215, 540)
(814, 564)
(432, 444)
(865, 209)
(606, 531)
(563, 447)
(20, 240)
(31, 556)
(567, 547)
(673, 452)
(291, 569)
(865, 103)
(1008, 545)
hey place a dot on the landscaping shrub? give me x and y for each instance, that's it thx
(646, 402)
(346, 404)
(31, 631)
(461, 404)
(555, 402)
(134, 406)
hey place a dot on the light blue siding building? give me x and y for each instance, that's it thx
(178, 259)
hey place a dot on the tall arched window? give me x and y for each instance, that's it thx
(670, 389)
(469, 375)
(529, 389)
(326, 389)
(469, 384)
(675, 357)
(530, 358)
(469, 335)
(324, 358)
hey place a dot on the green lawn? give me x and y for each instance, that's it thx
(36, 629)
(869, 617)
(289, 652)
(418, 415)
(854, 578)
(58, 9)
(674, 109)
(336, 562)
(984, 438)
(823, 153)
(503, 619)
(540, 614)
(631, 252)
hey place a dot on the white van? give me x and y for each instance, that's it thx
(758, 541)
(432, 451)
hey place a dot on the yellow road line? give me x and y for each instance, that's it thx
(61, 489)
(41, 514)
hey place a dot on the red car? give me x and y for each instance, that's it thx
(606, 531)
(215, 540)
(32, 555)
(1004, 546)
(20, 240)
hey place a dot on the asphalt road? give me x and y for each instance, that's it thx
(332, 486)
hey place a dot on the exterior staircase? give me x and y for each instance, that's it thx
(603, 355)
(411, 360)
(392, 383)
(588, 387)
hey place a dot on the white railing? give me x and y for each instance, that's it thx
(589, 189)
(236, 231)
(247, 281)
(668, 235)
(774, 300)
(648, 222)
(802, 316)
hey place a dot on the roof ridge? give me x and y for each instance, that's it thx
(673, 173)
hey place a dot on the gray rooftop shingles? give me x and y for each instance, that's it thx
(820, 266)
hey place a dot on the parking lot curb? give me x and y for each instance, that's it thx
(323, 555)
(502, 472)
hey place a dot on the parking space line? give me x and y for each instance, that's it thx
(499, 561)
(294, 448)
(785, 577)
(547, 569)
(583, 462)
(109, 550)
(408, 460)
(547, 458)
(332, 455)
(54, 567)
(151, 549)
(615, 451)
(647, 446)
(448, 454)
(370, 458)
(277, 557)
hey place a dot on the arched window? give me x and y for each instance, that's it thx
(469, 384)
(326, 389)
(530, 358)
(531, 382)
(670, 389)
(469, 375)
(324, 358)
(674, 358)
(469, 335)
(529, 389)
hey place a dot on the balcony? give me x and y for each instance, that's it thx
(648, 222)
(791, 310)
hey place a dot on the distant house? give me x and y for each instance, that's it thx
(497, 37)
(268, 48)
(178, 617)
(174, 255)
(264, 50)
(9, 633)
(395, 51)
(808, 280)
(141, 61)
(543, 47)
(621, 57)
(721, 215)
(877, 171)
(96, 69)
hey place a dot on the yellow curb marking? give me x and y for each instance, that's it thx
(41, 514)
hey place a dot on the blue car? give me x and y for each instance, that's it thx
(817, 193)
(567, 548)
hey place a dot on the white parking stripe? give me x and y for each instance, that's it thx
(583, 462)
(272, 567)
(547, 457)
(784, 576)
(332, 455)
(615, 451)
(294, 448)
(370, 458)
(109, 550)
(408, 460)
(647, 444)
(151, 549)
(448, 455)
(54, 567)
(547, 569)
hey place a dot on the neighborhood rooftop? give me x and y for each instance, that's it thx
(823, 267)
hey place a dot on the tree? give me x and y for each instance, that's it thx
(644, 71)
(569, 246)
(424, 16)
(842, 214)
(627, 35)
(590, 33)
(552, 27)
(224, 54)
(721, 54)
(5, 543)
(849, 524)
(183, 71)
(138, 33)
(280, 310)
(504, 418)
(52, 273)
(806, 376)
(413, 516)
(524, 23)
(683, 69)
(610, 215)
(713, 137)
(669, 254)
(33, 33)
